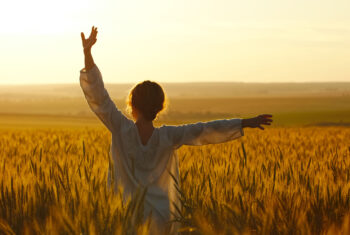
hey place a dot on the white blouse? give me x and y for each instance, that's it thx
(155, 164)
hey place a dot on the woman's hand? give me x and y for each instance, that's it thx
(257, 122)
(88, 43)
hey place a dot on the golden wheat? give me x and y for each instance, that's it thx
(280, 181)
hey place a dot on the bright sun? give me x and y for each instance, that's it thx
(40, 16)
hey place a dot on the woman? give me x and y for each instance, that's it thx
(143, 155)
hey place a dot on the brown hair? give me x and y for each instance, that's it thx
(148, 98)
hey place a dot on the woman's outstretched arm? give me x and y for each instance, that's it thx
(214, 132)
(93, 87)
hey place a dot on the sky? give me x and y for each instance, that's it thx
(176, 41)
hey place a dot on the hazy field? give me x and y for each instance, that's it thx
(291, 104)
(292, 178)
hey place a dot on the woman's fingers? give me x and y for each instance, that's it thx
(266, 122)
(89, 42)
(93, 33)
(82, 37)
(92, 30)
(265, 118)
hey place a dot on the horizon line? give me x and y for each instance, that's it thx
(174, 83)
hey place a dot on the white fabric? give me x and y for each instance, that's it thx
(135, 164)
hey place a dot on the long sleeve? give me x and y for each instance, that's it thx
(99, 100)
(212, 132)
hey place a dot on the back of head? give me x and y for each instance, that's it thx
(148, 99)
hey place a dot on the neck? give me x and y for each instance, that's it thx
(144, 124)
(145, 129)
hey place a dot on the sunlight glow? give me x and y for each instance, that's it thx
(40, 16)
(177, 41)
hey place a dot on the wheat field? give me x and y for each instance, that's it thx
(278, 181)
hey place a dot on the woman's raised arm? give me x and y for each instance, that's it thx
(93, 87)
